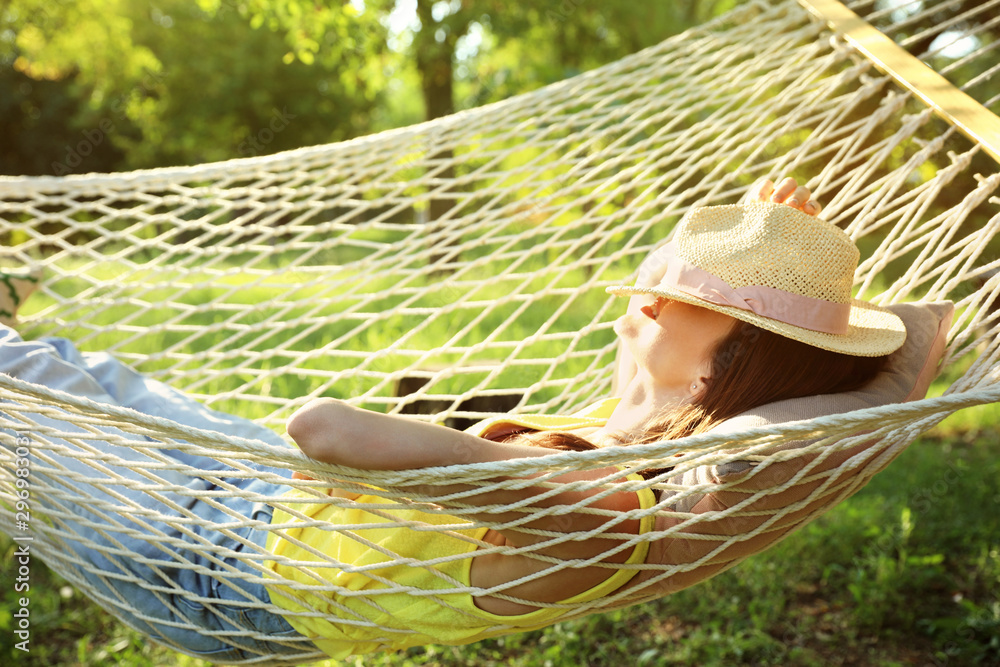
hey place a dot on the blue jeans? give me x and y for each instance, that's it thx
(227, 609)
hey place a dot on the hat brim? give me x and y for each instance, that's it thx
(873, 331)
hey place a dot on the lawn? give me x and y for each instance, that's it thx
(905, 572)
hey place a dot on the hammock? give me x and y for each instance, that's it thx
(457, 268)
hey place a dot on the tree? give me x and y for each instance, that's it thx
(58, 105)
(569, 34)
(102, 85)
(242, 95)
(120, 84)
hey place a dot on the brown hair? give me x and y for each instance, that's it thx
(750, 367)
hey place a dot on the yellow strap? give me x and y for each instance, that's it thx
(593, 415)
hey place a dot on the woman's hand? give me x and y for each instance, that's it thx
(652, 269)
(789, 192)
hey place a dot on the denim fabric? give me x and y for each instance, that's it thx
(153, 605)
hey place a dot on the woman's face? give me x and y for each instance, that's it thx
(673, 341)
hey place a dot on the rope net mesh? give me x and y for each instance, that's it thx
(955, 37)
(456, 269)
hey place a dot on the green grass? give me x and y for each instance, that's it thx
(905, 572)
(175, 339)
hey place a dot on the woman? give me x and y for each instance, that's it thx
(700, 344)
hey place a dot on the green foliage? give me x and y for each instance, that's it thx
(166, 83)
(905, 572)
(65, 74)
(44, 123)
(107, 85)
(343, 34)
(91, 37)
(239, 98)
(535, 44)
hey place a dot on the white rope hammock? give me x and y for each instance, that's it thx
(258, 284)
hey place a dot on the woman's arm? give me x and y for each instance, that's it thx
(334, 432)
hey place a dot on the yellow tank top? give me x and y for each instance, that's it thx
(367, 556)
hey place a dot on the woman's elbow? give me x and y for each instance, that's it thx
(310, 426)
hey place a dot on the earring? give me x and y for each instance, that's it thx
(694, 386)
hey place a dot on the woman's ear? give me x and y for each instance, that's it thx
(699, 386)
(703, 376)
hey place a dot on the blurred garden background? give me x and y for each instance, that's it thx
(905, 573)
(109, 85)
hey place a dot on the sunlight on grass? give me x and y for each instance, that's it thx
(912, 558)
(907, 567)
(227, 335)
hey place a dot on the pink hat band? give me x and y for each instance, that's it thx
(778, 269)
(776, 304)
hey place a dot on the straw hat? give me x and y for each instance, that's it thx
(778, 268)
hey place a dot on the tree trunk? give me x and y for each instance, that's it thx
(435, 61)
(436, 79)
